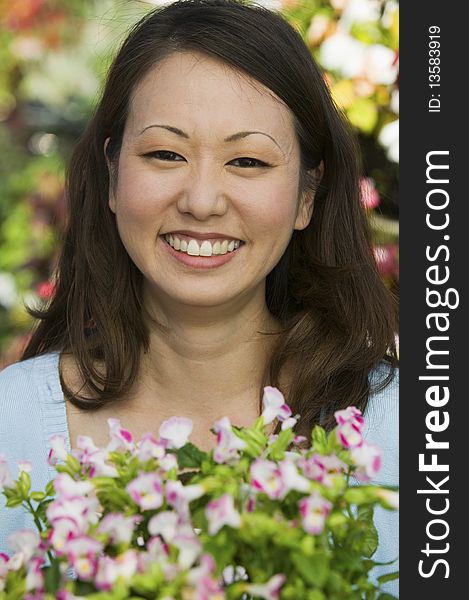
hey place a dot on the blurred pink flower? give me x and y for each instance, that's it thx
(176, 431)
(58, 449)
(386, 259)
(269, 590)
(368, 459)
(274, 406)
(118, 527)
(222, 512)
(121, 439)
(314, 510)
(83, 552)
(351, 414)
(266, 477)
(228, 443)
(349, 435)
(45, 290)
(369, 195)
(146, 490)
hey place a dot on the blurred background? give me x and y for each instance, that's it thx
(53, 59)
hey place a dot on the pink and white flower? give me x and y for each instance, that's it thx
(351, 414)
(58, 449)
(314, 510)
(269, 590)
(24, 543)
(291, 478)
(81, 511)
(189, 547)
(206, 587)
(6, 479)
(146, 490)
(35, 574)
(221, 512)
(325, 469)
(274, 406)
(367, 457)
(120, 438)
(67, 487)
(149, 447)
(228, 443)
(349, 435)
(266, 477)
(118, 527)
(180, 496)
(176, 431)
(63, 530)
(25, 466)
(168, 463)
(83, 552)
(110, 569)
(89, 455)
(165, 524)
(289, 423)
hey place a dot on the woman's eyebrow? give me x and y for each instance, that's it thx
(231, 138)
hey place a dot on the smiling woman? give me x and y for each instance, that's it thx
(215, 244)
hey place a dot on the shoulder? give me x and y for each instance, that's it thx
(31, 410)
(30, 401)
(21, 382)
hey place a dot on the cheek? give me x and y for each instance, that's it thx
(275, 209)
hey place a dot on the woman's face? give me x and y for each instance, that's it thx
(207, 197)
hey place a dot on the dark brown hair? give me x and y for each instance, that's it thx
(338, 318)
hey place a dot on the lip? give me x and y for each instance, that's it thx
(195, 235)
(202, 263)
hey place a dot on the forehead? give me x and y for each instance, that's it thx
(203, 93)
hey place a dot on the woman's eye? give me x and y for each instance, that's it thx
(246, 162)
(166, 155)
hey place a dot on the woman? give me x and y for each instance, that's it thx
(216, 244)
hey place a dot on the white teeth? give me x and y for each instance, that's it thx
(193, 248)
(206, 248)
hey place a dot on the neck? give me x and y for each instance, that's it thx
(206, 359)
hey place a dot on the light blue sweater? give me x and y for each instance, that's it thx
(32, 409)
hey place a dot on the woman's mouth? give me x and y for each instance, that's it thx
(193, 247)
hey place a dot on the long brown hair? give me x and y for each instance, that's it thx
(339, 320)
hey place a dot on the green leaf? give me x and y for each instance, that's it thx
(370, 540)
(38, 496)
(386, 597)
(189, 456)
(365, 513)
(318, 437)
(277, 449)
(388, 577)
(314, 569)
(315, 595)
(24, 482)
(50, 490)
(14, 501)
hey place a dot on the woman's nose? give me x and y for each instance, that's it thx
(203, 195)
